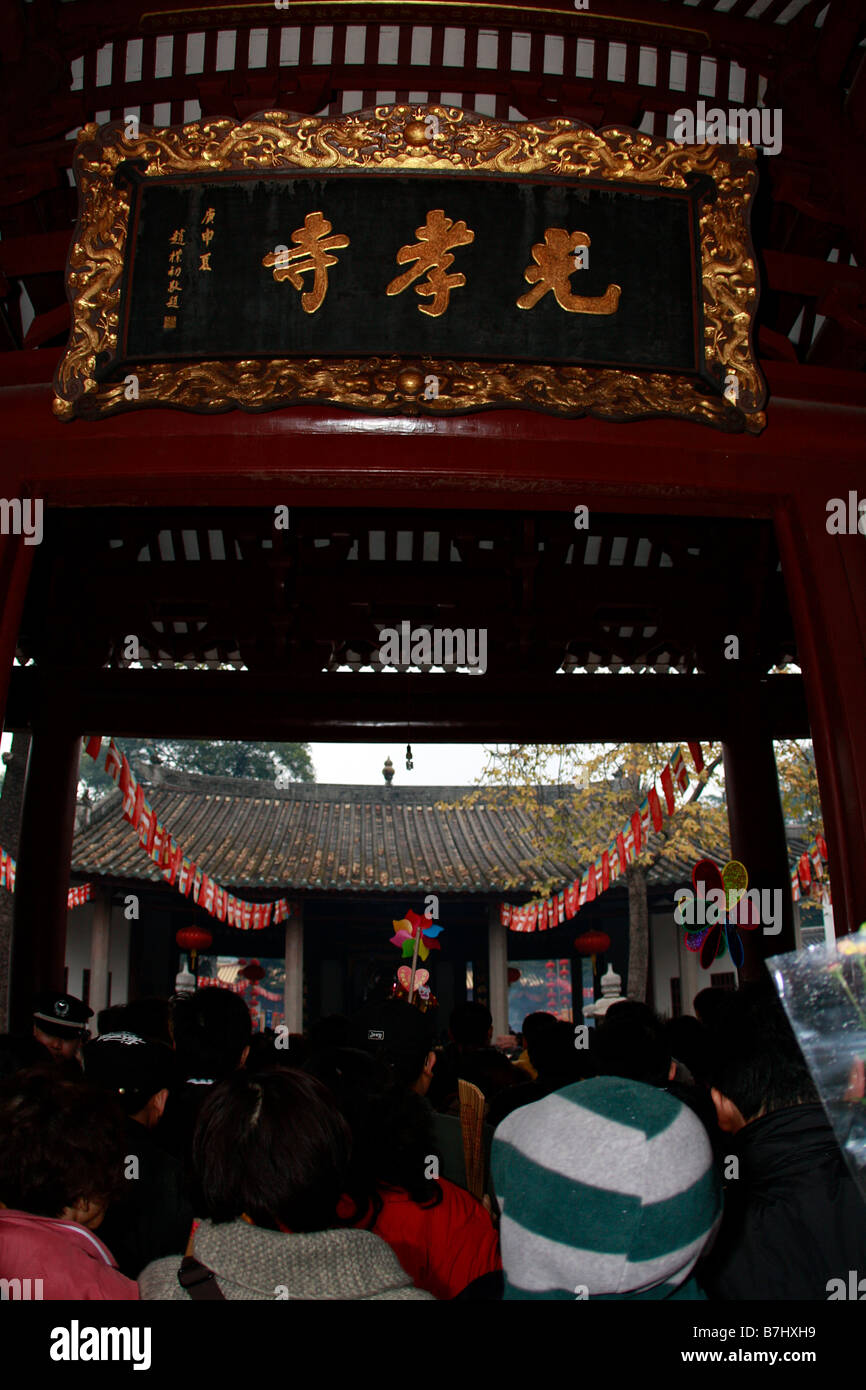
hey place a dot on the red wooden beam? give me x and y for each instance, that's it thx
(329, 456)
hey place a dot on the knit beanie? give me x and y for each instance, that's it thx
(607, 1190)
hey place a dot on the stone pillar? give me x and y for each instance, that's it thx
(756, 821)
(293, 989)
(497, 957)
(45, 855)
(100, 950)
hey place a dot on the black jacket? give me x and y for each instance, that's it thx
(153, 1217)
(794, 1217)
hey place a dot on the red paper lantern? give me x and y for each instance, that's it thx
(592, 943)
(193, 939)
(253, 971)
(513, 975)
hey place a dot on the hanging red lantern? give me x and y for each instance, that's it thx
(513, 974)
(193, 939)
(253, 971)
(592, 943)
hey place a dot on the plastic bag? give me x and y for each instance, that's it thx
(823, 991)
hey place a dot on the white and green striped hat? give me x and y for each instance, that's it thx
(607, 1190)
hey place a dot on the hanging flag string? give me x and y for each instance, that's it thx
(76, 897)
(626, 845)
(176, 867)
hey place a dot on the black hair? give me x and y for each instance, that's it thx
(755, 1059)
(271, 1049)
(392, 1134)
(273, 1147)
(630, 1042)
(61, 1142)
(533, 1025)
(689, 1042)
(331, 1031)
(470, 1024)
(395, 1033)
(211, 1029)
(553, 1053)
(711, 1004)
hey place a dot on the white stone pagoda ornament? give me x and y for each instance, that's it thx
(610, 994)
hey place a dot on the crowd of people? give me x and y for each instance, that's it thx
(176, 1155)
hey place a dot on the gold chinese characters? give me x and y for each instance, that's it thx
(431, 254)
(312, 243)
(554, 264)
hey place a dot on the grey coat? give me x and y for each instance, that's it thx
(252, 1263)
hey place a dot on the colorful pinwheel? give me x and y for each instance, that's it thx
(722, 892)
(414, 926)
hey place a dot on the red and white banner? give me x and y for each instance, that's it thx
(611, 865)
(627, 845)
(177, 869)
(76, 897)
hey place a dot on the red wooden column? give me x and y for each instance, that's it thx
(16, 562)
(825, 577)
(44, 857)
(757, 825)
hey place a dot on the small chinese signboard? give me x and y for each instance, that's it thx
(418, 260)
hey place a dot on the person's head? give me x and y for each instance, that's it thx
(711, 1004)
(401, 1036)
(150, 1017)
(630, 1042)
(392, 1137)
(212, 1031)
(137, 1072)
(555, 1057)
(607, 1186)
(756, 1065)
(471, 1025)
(533, 1026)
(60, 1023)
(61, 1147)
(273, 1147)
(275, 1048)
(328, 1032)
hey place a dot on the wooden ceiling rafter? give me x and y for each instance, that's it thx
(647, 593)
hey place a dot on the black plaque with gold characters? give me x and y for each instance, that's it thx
(414, 259)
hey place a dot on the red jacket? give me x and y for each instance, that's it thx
(442, 1248)
(69, 1260)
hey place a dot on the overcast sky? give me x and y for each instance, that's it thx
(435, 764)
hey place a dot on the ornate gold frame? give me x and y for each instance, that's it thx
(395, 138)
